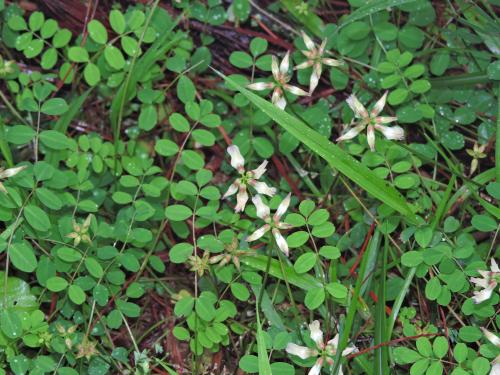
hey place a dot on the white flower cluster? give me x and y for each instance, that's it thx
(250, 178)
(315, 58)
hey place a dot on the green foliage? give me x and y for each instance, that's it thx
(123, 250)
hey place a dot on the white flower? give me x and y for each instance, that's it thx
(280, 84)
(246, 178)
(495, 340)
(371, 120)
(488, 282)
(6, 173)
(272, 223)
(477, 152)
(323, 352)
(315, 59)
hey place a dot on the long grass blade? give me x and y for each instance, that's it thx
(334, 155)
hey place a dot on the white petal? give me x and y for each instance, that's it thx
(237, 160)
(495, 370)
(258, 233)
(370, 134)
(295, 90)
(483, 295)
(385, 119)
(11, 171)
(494, 266)
(278, 99)
(350, 349)
(274, 67)
(351, 133)
(259, 86)
(233, 188)
(261, 207)
(263, 188)
(356, 106)
(332, 62)
(316, 369)
(283, 207)
(379, 105)
(334, 342)
(316, 333)
(300, 351)
(304, 65)
(285, 64)
(260, 170)
(314, 80)
(307, 41)
(480, 282)
(280, 241)
(392, 132)
(494, 339)
(241, 199)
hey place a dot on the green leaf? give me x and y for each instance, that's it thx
(117, 21)
(37, 218)
(92, 74)
(97, 32)
(114, 57)
(371, 8)
(23, 257)
(185, 90)
(76, 294)
(305, 262)
(56, 284)
(17, 295)
(333, 154)
(54, 107)
(78, 54)
(178, 212)
(11, 324)
(148, 118)
(314, 298)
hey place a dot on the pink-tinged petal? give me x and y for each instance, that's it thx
(258, 233)
(334, 343)
(11, 171)
(259, 86)
(295, 90)
(332, 62)
(260, 170)
(233, 188)
(351, 133)
(301, 351)
(241, 199)
(237, 160)
(494, 339)
(263, 188)
(304, 65)
(370, 135)
(307, 41)
(379, 105)
(283, 207)
(393, 132)
(480, 282)
(316, 369)
(285, 64)
(494, 266)
(284, 226)
(356, 106)
(483, 295)
(261, 208)
(316, 334)
(385, 119)
(280, 241)
(315, 76)
(3, 189)
(275, 68)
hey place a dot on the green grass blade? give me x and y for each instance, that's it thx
(309, 19)
(264, 365)
(304, 282)
(371, 8)
(381, 365)
(345, 333)
(268, 309)
(334, 155)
